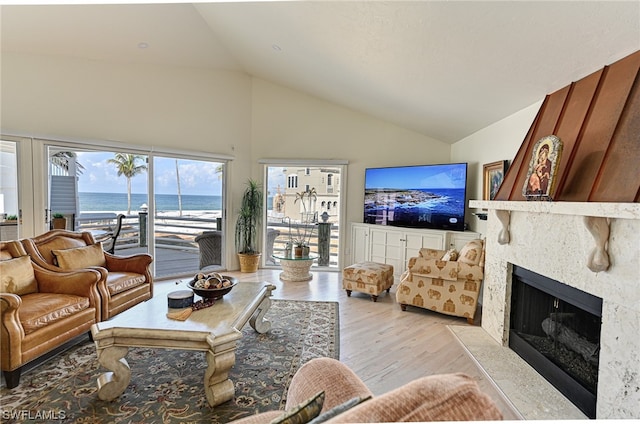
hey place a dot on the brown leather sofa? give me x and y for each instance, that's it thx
(41, 309)
(125, 280)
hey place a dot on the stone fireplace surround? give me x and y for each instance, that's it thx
(553, 239)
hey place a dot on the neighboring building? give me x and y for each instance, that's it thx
(326, 184)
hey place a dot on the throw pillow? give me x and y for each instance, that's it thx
(450, 255)
(17, 276)
(80, 257)
(339, 409)
(304, 412)
(471, 252)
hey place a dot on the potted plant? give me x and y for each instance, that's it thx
(59, 221)
(12, 218)
(247, 227)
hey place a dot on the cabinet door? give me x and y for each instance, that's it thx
(359, 243)
(387, 247)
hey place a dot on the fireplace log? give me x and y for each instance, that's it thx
(571, 339)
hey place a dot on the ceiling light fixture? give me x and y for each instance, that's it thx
(143, 45)
(276, 47)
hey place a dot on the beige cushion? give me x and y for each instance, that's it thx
(471, 252)
(80, 257)
(17, 276)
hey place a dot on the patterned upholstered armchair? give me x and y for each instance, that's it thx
(444, 281)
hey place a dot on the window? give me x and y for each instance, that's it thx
(296, 196)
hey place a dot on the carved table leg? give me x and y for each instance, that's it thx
(257, 321)
(217, 385)
(113, 384)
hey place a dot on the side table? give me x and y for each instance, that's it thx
(296, 269)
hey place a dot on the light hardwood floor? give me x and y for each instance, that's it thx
(385, 346)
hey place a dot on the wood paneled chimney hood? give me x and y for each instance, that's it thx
(598, 120)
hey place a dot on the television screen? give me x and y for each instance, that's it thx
(426, 196)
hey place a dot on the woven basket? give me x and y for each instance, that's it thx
(249, 262)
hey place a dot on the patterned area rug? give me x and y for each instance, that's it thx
(167, 385)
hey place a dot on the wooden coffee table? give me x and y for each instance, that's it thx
(214, 330)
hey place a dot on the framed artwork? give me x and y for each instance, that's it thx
(492, 176)
(543, 169)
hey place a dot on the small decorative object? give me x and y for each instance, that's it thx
(541, 177)
(492, 176)
(12, 218)
(212, 286)
(180, 299)
(324, 216)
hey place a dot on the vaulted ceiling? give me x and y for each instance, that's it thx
(442, 68)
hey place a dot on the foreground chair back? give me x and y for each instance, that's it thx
(126, 280)
(41, 309)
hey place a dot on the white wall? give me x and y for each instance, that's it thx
(287, 124)
(498, 141)
(201, 110)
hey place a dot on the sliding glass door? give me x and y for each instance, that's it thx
(187, 222)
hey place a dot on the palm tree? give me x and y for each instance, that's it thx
(127, 166)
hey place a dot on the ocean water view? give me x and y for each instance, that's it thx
(116, 202)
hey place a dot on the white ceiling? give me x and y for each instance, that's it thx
(442, 68)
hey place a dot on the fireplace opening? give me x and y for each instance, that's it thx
(556, 329)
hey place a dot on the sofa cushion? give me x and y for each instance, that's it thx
(471, 252)
(42, 309)
(80, 257)
(302, 413)
(17, 276)
(118, 282)
(445, 397)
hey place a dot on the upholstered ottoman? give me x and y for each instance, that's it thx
(367, 277)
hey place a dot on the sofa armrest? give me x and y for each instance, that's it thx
(444, 397)
(11, 329)
(470, 272)
(435, 268)
(138, 262)
(338, 381)
(81, 282)
(428, 253)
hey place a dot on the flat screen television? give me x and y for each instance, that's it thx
(424, 196)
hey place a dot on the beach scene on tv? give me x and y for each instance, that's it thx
(427, 196)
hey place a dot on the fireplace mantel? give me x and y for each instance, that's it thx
(596, 217)
(596, 209)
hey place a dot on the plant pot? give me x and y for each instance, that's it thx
(297, 252)
(59, 223)
(249, 262)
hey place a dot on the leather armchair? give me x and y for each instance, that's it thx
(125, 280)
(41, 309)
(443, 282)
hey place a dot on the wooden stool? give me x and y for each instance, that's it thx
(371, 278)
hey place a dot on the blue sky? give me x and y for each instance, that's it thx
(196, 177)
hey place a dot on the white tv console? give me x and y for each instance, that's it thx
(395, 245)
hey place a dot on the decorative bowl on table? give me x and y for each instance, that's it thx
(212, 286)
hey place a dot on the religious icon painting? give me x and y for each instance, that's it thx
(543, 169)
